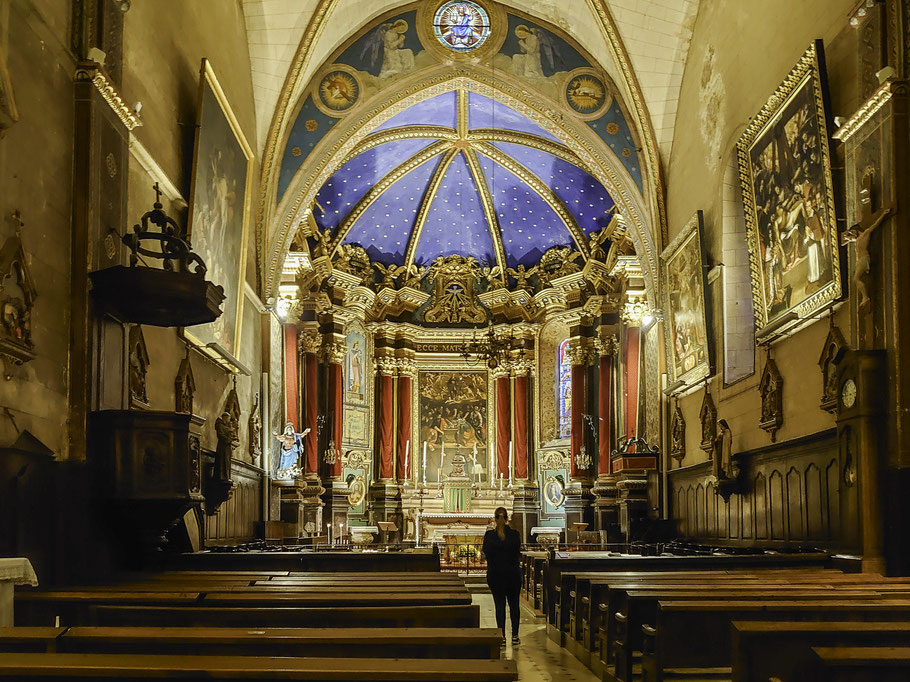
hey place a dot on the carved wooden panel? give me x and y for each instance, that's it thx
(791, 497)
(238, 517)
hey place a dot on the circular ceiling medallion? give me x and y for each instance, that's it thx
(461, 25)
(586, 94)
(337, 91)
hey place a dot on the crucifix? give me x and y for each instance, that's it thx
(861, 236)
(158, 194)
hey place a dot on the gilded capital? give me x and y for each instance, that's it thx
(580, 354)
(606, 344)
(333, 352)
(387, 366)
(309, 342)
(406, 367)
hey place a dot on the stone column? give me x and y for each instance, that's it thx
(385, 418)
(385, 494)
(526, 501)
(631, 350)
(309, 347)
(335, 514)
(407, 370)
(291, 376)
(578, 493)
(502, 385)
(606, 503)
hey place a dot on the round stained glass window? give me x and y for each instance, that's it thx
(461, 26)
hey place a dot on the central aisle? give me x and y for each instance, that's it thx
(538, 658)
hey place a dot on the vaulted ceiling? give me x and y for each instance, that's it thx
(655, 35)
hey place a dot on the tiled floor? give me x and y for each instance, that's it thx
(538, 658)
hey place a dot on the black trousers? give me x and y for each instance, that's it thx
(506, 591)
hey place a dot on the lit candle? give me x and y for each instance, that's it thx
(500, 481)
(511, 462)
(424, 463)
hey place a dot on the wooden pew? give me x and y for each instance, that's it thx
(136, 667)
(459, 616)
(782, 649)
(41, 608)
(333, 598)
(410, 561)
(861, 664)
(696, 634)
(321, 642)
(637, 608)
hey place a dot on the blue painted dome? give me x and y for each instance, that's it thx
(462, 174)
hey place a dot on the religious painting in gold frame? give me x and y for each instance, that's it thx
(788, 197)
(686, 321)
(218, 218)
(454, 420)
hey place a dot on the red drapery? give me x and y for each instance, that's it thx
(336, 407)
(386, 411)
(503, 425)
(291, 375)
(578, 409)
(404, 427)
(310, 383)
(521, 426)
(605, 412)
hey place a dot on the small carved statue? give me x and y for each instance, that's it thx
(138, 369)
(390, 273)
(861, 240)
(678, 436)
(413, 276)
(723, 450)
(291, 451)
(521, 275)
(323, 242)
(255, 432)
(493, 275)
(227, 429)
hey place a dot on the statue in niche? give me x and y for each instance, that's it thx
(708, 416)
(723, 451)
(771, 388)
(138, 368)
(291, 452)
(678, 435)
(227, 429)
(185, 386)
(255, 432)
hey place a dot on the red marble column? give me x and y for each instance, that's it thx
(503, 425)
(579, 391)
(311, 400)
(521, 426)
(385, 411)
(291, 376)
(405, 454)
(605, 413)
(336, 411)
(630, 367)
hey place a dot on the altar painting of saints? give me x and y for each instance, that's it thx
(355, 364)
(453, 414)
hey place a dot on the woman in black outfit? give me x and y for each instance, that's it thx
(502, 547)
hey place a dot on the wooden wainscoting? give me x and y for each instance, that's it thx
(790, 497)
(238, 517)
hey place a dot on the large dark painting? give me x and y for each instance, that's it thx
(453, 418)
(687, 324)
(788, 197)
(218, 199)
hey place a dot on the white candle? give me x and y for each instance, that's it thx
(500, 481)
(407, 452)
(511, 462)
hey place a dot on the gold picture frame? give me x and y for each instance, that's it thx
(218, 224)
(687, 313)
(788, 197)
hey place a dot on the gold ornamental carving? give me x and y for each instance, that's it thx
(406, 367)
(579, 354)
(334, 353)
(454, 299)
(557, 262)
(309, 342)
(606, 344)
(354, 260)
(386, 366)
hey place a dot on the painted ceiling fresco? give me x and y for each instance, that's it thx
(460, 173)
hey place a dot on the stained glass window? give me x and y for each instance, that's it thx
(461, 25)
(564, 390)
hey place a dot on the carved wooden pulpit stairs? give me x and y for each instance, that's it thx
(149, 463)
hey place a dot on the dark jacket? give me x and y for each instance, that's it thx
(502, 557)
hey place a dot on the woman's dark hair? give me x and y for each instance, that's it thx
(503, 511)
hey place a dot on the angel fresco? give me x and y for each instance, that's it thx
(384, 48)
(527, 63)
